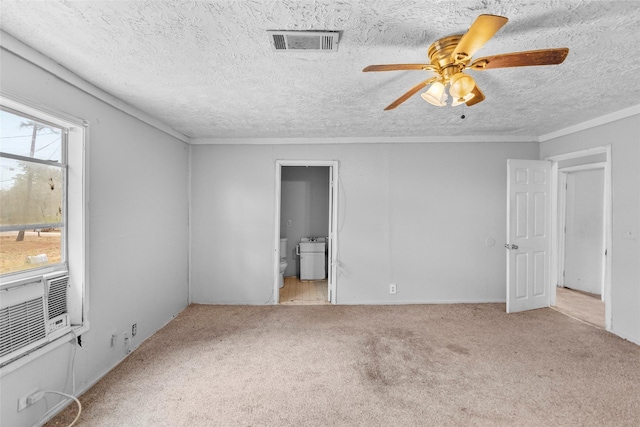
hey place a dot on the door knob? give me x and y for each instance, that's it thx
(508, 246)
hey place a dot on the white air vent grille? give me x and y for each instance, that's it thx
(21, 324)
(304, 40)
(57, 296)
(278, 42)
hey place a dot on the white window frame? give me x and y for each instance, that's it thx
(76, 261)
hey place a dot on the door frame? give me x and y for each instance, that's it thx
(332, 243)
(557, 219)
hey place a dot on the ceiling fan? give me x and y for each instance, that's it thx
(450, 56)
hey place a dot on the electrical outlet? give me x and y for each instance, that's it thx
(392, 288)
(127, 342)
(288, 223)
(22, 403)
(134, 329)
(29, 400)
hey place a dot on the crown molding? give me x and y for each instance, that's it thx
(13, 45)
(598, 121)
(365, 140)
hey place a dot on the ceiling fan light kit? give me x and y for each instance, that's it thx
(436, 95)
(450, 56)
(461, 85)
(462, 100)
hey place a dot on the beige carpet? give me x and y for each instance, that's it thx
(418, 365)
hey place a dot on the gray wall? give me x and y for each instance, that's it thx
(305, 202)
(623, 135)
(417, 215)
(137, 237)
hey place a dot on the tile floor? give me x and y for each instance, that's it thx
(296, 292)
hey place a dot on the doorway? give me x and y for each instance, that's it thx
(306, 211)
(581, 285)
(532, 244)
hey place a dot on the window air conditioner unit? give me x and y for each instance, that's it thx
(33, 312)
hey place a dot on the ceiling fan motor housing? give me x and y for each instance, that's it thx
(440, 56)
(450, 68)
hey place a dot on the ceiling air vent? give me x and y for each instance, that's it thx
(282, 41)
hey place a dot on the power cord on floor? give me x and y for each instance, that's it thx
(38, 395)
(76, 343)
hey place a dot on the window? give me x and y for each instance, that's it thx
(33, 178)
(42, 231)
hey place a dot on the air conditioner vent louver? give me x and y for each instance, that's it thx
(278, 41)
(57, 298)
(33, 312)
(326, 41)
(21, 324)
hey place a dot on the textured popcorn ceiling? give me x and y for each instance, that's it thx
(207, 69)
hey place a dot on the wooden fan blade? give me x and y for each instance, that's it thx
(522, 59)
(395, 67)
(410, 93)
(482, 29)
(479, 96)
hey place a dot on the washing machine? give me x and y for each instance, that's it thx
(312, 258)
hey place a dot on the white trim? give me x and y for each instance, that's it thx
(27, 53)
(581, 153)
(561, 195)
(39, 111)
(554, 254)
(333, 234)
(310, 163)
(585, 167)
(598, 121)
(276, 233)
(427, 302)
(189, 221)
(365, 140)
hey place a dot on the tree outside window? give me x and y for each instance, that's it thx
(32, 193)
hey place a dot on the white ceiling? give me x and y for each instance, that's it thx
(207, 69)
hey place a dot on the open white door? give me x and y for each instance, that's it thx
(528, 234)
